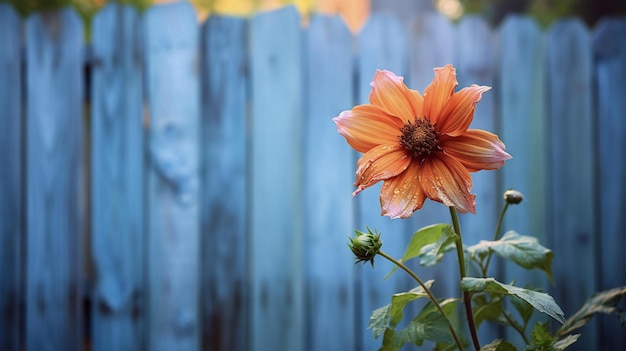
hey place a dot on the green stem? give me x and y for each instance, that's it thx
(428, 292)
(495, 237)
(467, 297)
(516, 327)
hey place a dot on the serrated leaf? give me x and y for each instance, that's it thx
(429, 324)
(431, 254)
(399, 301)
(523, 250)
(379, 320)
(499, 345)
(424, 236)
(541, 336)
(602, 302)
(566, 341)
(542, 302)
(487, 310)
(524, 309)
(390, 315)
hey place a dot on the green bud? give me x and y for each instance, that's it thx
(365, 246)
(513, 197)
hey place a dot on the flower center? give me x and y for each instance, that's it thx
(420, 138)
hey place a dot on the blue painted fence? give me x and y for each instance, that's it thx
(199, 199)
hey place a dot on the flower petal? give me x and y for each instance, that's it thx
(390, 93)
(446, 180)
(476, 149)
(458, 113)
(439, 91)
(380, 163)
(402, 195)
(367, 126)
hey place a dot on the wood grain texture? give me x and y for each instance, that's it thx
(381, 45)
(11, 201)
(328, 205)
(54, 61)
(117, 241)
(431, 43)
(609, 48)
(173, 87)
(225, 195)
(524, 129)
(276, 219)
(572, 205)
(475, 61)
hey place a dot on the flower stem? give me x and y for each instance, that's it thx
(428, 292)
(495, 237)
(467, 297)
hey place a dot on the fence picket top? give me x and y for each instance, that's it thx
(54, 48)
(172, 83)
(328, 169)
(276, 217)
(610, 76)
(523, 122)
(572, 167)
(117, 178)
(432, 38)
(224, 242)
(10, 176)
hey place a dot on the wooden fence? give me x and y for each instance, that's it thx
(204, 203)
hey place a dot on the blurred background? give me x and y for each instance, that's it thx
(355, 12)
(172, 179)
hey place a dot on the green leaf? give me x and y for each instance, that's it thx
(602, 302)
(390, 315)
(431, 254)
(379, 320)
(524, 250)
(542, 302)
(524, 309)
(399, 301)
(541, 339)
(429, 324)
(424, 236)
(487, 309)
(499, 345)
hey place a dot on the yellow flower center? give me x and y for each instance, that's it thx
(420, 138)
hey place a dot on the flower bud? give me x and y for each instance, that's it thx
(365, 246)
(513, 197)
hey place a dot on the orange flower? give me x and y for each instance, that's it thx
(420, 147)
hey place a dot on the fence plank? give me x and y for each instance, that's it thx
(224, 197)
(329, 209)
(54, 191)
(10, 177)
(610, 73)
(523, 123)
(475, 62)
(117, 181)
(381, 46)
(431, 44)
(572, 166)
(276, 227)
(172, 61)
